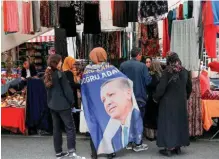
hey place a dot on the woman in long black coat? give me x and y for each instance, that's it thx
(172, 93)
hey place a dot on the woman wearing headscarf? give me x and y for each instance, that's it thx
(172, 93)
(70, 71)
(98, 57)
(152, 107)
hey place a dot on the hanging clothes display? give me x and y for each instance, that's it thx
(67, 20)
(26, 18)
(184, 43)
(215, 8)
(166, 39)
(10, 15)
(44, 13)
(152, 11)
(36, 16)
(60, 42)
(120, 18)
(194, 109)
(132, 9)
(149, 41)
(91, 18)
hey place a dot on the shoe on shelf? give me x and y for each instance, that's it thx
(129, 146)
(142, 147)
(61, 155)
(166, 152)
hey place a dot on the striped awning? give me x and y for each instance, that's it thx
(42, 39)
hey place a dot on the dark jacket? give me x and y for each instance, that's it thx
(138, 73)
(74, 86)
(32, 69)
(173, 128)
(60, 95)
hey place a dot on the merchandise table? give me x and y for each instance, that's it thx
(14, 118)
(5, 87)
(210, 109)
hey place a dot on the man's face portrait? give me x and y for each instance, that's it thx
(117, 98)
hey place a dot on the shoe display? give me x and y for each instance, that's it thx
(142, 147)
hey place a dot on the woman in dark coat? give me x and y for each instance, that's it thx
(152, 107)
(172, 93)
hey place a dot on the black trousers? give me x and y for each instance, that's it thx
(66, 117)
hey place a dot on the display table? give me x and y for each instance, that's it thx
(14, 118)
(5, 87)
(210, 109)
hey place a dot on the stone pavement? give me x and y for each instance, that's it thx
(37, 147)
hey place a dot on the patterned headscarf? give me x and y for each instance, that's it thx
(98, 55)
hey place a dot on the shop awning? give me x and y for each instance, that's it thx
(42, 39)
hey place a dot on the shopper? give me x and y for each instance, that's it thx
(138, 73)
(70, 71)
(60, 100)
(28, 70)
(172, 93)
(148, 62)
(98, 56)
(152, 107)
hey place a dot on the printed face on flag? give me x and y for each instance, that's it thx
(116, 95)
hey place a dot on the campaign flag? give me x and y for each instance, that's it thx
(110, 109)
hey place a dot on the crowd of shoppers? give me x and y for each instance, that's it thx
(165, 117)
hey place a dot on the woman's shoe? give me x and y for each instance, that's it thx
(178, 150)
(166, 152)
(93, 156)
(112, 155)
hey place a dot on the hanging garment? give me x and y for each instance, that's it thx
(185, 10)
(174, 14)
(26, 19)
(149, 41)
(152, 11)
(60, 42)
(79, 11)
(184, 43)
(44, 13)
(71, 45)
(132, 9)
(166, 39)
(177, 13)
(31, 18)
(180, 12)
(190, 9)
(170, 20)
(11, 18)
(196, 11)
(91, 19)
(105, 10)
(53, 6)
(215, 8)
(210, 30)
(194, 110)
(120, 14)
(36, 16)
(67, 20)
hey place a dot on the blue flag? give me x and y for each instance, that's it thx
(110, 109)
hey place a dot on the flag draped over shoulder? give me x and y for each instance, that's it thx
(110, 109)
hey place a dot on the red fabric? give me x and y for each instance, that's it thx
(214, 66)
(211, 95)
(204, 82)
(14, 118)
(166, 39)
(180, 12)
(210, 30)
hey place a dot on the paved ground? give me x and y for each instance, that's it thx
(33, 147)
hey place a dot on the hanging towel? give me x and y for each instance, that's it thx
(185, 10)
(26, 19)
(166, 39)
(184, 43)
